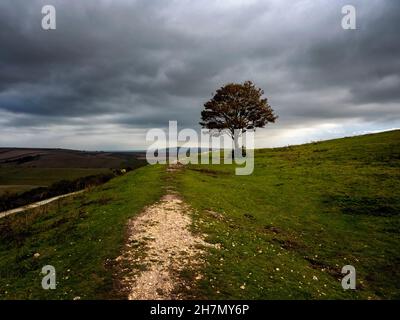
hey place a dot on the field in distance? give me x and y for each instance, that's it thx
(22, 169)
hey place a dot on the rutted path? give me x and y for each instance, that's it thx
(160, 245)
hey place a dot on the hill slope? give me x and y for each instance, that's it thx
(283, 232)
(305, 212)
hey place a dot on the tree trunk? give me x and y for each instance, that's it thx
(236, 147)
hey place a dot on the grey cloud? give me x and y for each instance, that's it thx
(142, 63)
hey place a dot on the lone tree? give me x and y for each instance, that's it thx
(237, 106)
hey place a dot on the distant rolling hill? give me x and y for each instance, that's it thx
(62, 158)
(23, 169)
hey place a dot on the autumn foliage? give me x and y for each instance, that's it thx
(237, 106)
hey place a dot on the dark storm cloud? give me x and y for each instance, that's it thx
(366, 62)
(142, 63)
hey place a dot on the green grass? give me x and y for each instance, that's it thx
(80, 238)
(19, 179)
(306, 211)
(285, 231)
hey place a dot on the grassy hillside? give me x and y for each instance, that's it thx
(79, 238)
(306, 211)
(285, 231)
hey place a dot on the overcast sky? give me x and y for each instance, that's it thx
(114, 69)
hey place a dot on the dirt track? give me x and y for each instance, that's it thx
(160, 245)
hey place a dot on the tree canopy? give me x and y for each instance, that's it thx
(237, 106)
